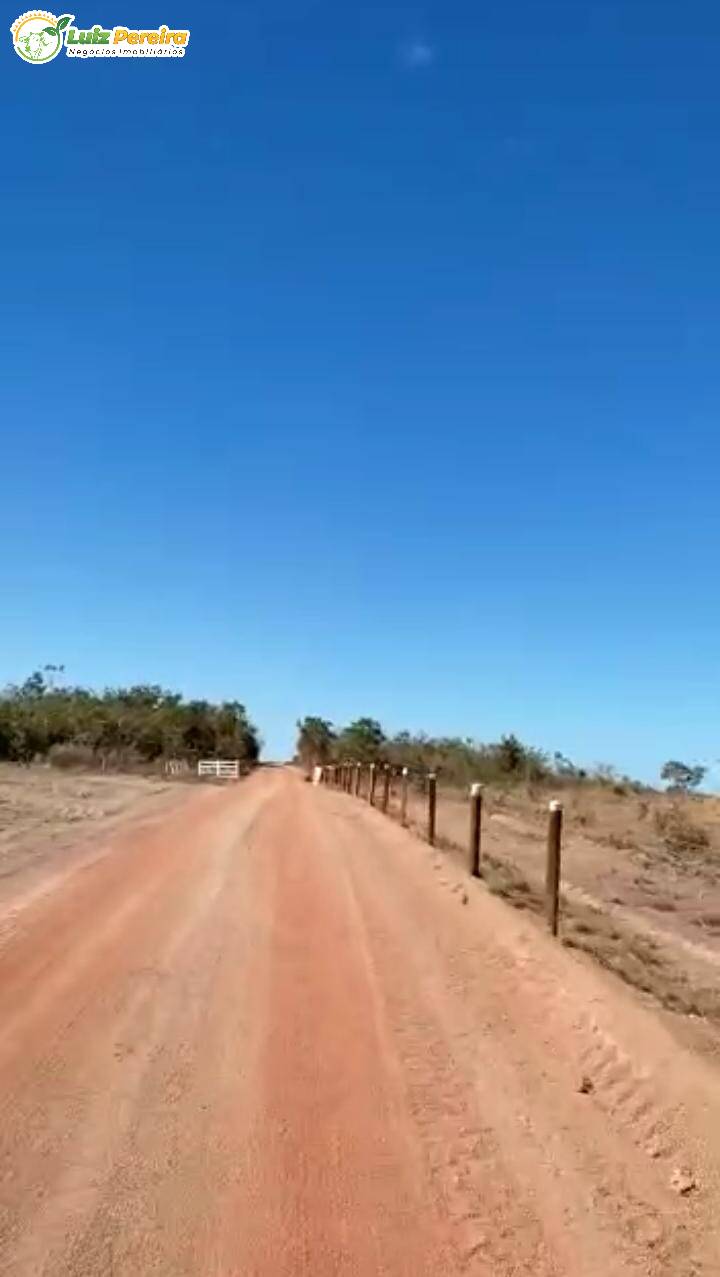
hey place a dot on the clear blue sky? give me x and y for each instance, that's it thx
(365, 360)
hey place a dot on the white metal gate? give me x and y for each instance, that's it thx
(220, 768)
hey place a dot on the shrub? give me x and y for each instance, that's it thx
(68, 757)
(679, 832)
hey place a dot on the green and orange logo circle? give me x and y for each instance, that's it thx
(37, 35)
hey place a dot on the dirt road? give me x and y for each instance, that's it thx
(275, 1035)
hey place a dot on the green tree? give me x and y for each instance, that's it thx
(681, 776)
(364, 740)
(511, 754)
(33, 687)
(315, 742)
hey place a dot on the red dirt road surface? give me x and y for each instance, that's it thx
(273, 1034)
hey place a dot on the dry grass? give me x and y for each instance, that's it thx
(640, 961)
(683, 836)
(637, 959)
(642, 873)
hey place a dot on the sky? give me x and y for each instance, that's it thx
(365, 361)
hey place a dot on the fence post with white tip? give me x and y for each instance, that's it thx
(386, 787)
(475, 829)
(432, 807)
(552, 882)
(371, 790)
(404, 797)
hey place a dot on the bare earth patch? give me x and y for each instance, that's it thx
(48, 815)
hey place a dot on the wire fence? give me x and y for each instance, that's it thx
(538, 856)
(412, 798)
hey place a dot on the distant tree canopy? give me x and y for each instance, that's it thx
(457, 760)
(120, 725)
(315, 742)
(682, 776)
(364, 740)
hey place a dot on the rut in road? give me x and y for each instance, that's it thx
(276, 1035)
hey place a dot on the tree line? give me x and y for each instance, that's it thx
(456, 760)
(119, 726)
(462, 760)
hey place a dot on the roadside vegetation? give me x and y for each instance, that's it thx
(460, 761)
(518, 779)
(118, 727)
(457, 761)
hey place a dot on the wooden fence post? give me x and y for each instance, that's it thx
(475, 829)
(371, 791)
(552, 882)
(358, 774)
(432, 807)
(404, 797)
(386, 787)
